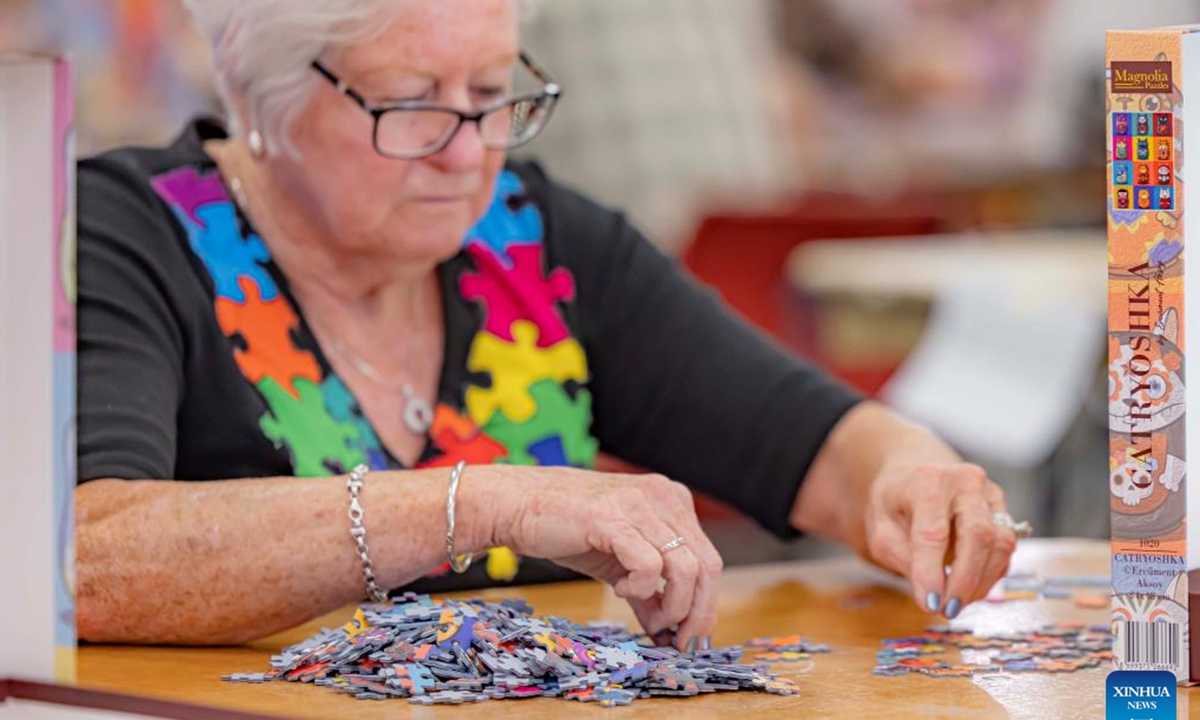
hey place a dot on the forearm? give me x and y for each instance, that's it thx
(837, 488)
(225, 562)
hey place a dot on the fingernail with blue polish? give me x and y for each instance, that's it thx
(691, 645)
(952, 608)
(933, 601)
(706, 642)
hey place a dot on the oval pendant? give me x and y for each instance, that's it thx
(418, 415)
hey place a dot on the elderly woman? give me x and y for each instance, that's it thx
(348, 303)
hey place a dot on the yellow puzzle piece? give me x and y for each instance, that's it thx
(514, 367)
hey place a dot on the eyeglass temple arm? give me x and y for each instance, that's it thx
(341, 85)
(540, 73)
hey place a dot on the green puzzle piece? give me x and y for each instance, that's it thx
(305, 427)
(556, 414)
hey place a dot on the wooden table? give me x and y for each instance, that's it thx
(805, 597)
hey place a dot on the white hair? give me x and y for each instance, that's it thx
(262, 51)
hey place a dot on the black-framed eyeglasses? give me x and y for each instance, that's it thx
(417, 129)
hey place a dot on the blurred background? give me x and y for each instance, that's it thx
(909, 193)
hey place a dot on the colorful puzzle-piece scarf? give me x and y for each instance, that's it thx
(525, 399)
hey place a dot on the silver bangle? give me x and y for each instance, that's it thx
(458, 563)
(354, 484)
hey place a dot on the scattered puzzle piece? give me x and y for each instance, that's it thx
(255, 678)
(610, 658)
(793, 644)
(357, 624)
(787, 656)
(1020, 595)
(609, 696)
(448, 625)
(781, 686)
(447, 697)
(1056, 649)
(582, 694)
(415, 678)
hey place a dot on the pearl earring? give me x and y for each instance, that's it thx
(257, 145)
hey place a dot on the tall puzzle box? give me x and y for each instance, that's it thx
(1153, 317)
(37, 367)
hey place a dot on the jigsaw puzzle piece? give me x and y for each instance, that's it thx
(266, 328)
(513, 368)
(461, 439)
(557, 433)
(511, 219)
(520, 292)
(317, 443)
(210, 221)
(187, 190)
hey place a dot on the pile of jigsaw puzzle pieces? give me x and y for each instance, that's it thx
(449, 651)
(1054, 649)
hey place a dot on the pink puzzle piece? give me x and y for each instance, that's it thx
(522, 292)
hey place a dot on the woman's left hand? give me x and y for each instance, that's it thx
(922, 516)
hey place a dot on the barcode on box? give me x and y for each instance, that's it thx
(1148, 645)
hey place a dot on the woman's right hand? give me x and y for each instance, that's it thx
(611, 527)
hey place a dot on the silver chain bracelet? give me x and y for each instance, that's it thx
(458, 564)
(354, 484)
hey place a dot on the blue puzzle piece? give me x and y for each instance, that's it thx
(419, 679)
(464, 636)
(227, 255)
(549, 451)
(501, 226)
